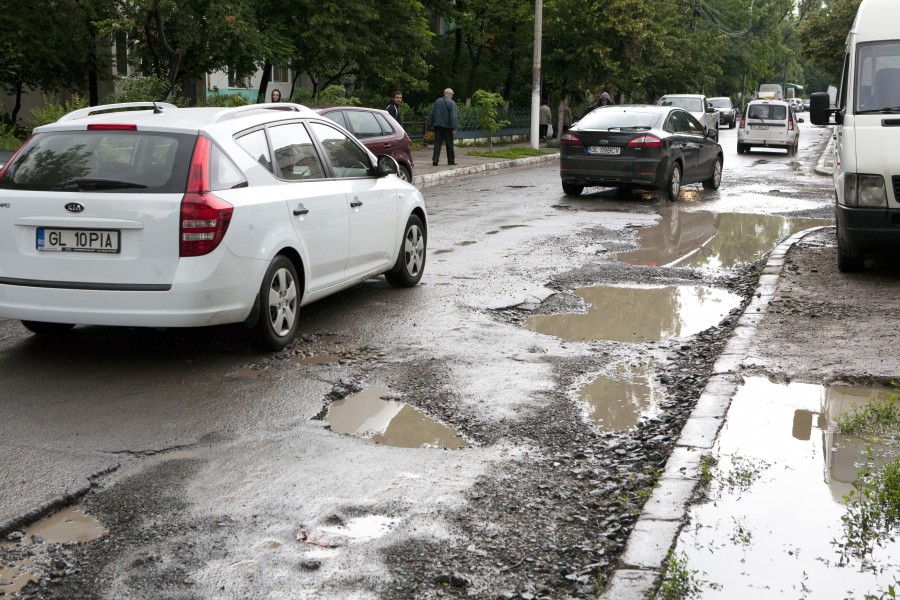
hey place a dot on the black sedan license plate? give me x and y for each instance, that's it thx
(604, 150)
(77, 240)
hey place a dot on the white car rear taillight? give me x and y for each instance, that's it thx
(204, 216)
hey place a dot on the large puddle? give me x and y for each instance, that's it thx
(711, 240)
(68, 526)
(617, 403)
(776, 500)
(639, 313)
(390, 422)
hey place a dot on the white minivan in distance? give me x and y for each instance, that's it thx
(866, 136)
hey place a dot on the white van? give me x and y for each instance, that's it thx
(867, 134)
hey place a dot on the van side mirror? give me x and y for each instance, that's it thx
(820, 110)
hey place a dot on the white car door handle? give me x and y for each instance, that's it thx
(356, 204)
(300, 210)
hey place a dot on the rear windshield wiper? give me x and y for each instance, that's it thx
(88, 183)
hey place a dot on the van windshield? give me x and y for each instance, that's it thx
(878, 77)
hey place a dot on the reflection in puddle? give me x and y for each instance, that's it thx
(639, 314)
(68, 526)
(711, 240)
(792, 513)
(389, 422)
(618, 403)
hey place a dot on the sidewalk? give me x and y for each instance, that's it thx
(426, 175)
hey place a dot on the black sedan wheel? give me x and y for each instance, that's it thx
(571, 189)
(715, 180)
(672, 189)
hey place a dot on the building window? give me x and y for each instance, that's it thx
(280, 74)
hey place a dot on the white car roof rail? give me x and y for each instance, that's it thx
(231, 113)
(108, 108)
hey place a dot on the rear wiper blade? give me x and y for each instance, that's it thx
(89, 183)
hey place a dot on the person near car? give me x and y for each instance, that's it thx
(605, 100)
(566, 116)
(443, 120)
(276, 95)
(394, 107)
(544, 120)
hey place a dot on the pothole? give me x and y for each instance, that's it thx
(788, 530)
(618, 402)
(322, 359)
(639, 313)
(390, 422)
(711, 240)
(36, 552)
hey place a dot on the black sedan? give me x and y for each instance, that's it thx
(638, 146)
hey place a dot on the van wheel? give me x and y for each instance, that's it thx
(279, 301)
(570, 189)
(41, 328)
(715, 180)
(672, 188)
(850, 260)
(407, 271)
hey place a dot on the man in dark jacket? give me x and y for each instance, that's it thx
(394, 107)
(443, 120)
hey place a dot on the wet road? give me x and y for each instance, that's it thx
(101, 405)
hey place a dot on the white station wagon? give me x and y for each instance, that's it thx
(145, 214)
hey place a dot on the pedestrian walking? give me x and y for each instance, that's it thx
(394, 107)
(443, 120)
(544, 120)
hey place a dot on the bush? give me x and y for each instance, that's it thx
(10, 137)
(53, 110)
(144, 89)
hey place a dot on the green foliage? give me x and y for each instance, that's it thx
(511, 153)
(143, 89)
(53, 110)
(678, 583)
(708, 464)
(872, 517)
(10, 137)
(879, 417)
(225, 100)
(743, 473)
(823, 34)
(487, 105)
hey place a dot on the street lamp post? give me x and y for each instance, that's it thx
(536, 75)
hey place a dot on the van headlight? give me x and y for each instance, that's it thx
(865, 191)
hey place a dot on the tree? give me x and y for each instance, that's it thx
(487, 105)
(823, 34)
(38, 49)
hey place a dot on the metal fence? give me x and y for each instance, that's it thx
(519, 124)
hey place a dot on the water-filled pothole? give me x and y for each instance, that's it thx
(390, 422)
(617, 403)
(775, 536)
(639, 313)
(711, 240)
(29, 556)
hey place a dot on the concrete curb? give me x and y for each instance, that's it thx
(431, 179)
(825, 165)
(663, 516)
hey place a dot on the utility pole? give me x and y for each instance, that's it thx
(536, 74)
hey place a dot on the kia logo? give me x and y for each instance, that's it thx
(75, 207)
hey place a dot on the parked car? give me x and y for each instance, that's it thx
(697, 105)
(661, 147)
(5, 155)
(728, 112)
(805, 106)
(377, 130)
(144, 214)
(769, 124)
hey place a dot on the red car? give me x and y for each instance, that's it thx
(377, 130)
